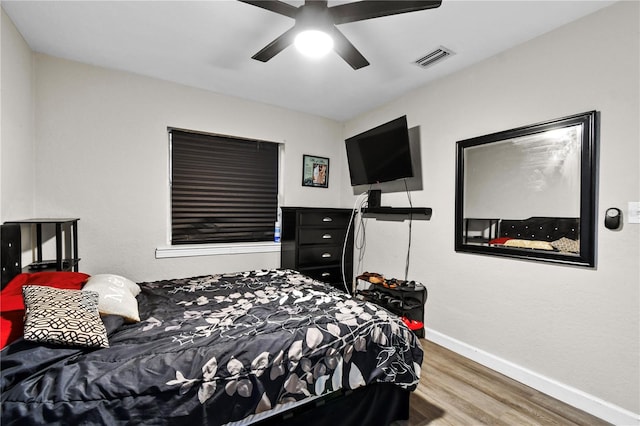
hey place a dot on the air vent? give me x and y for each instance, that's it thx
(440, 54)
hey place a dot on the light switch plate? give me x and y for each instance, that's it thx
(633, 215)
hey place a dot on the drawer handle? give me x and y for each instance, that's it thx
(327, 219)
(326, 274)
(327, 237)
(326, 255)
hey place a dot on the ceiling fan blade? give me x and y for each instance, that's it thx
(358, 11)
(274, 6)
(276, 46)
(347, 51)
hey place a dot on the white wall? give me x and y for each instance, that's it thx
(17, 134)
(102, 156)
(576, 326)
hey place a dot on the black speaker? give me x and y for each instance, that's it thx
(373, 199)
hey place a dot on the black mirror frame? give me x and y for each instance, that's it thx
(588, 182)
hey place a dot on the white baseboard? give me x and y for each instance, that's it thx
(567, 394)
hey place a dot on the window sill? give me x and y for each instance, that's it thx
(216, 249)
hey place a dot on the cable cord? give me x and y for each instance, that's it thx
(360, 240)
(346, 239)
(406, 267)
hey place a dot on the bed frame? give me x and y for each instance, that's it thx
(10, 253)
(541, 228)
(379, 404)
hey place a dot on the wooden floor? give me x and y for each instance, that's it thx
(454, 390)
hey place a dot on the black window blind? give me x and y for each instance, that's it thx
(223, 189)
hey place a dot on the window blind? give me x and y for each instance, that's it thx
(223, 189)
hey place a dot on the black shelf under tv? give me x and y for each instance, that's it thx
(397, 213)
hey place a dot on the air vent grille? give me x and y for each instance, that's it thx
(440, 54)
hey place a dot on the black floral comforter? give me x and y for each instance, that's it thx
(211, 350)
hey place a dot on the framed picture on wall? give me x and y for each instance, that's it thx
(315, 171)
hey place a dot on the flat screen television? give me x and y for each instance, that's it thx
(381, 154)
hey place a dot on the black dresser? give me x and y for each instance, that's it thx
(313, 240)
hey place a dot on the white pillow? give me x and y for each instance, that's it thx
(531, 244)
(117, 281)
(117, 295)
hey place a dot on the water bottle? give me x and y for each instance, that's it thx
(276, 233)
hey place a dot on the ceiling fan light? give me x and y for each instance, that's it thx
(313, 43)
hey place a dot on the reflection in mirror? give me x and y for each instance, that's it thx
(529, 192)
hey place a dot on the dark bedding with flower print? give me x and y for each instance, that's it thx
(211, 350)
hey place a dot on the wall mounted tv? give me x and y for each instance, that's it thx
(381, 154)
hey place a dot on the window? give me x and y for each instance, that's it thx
(223, 189)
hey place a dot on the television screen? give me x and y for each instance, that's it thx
(381, 154)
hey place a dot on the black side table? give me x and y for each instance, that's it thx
(64, 260)
(403, 301)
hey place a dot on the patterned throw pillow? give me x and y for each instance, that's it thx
(567, 245)
(67, 317)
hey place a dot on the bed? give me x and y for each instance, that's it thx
(561, 234)
(264, 347)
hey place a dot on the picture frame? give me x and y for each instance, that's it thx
(315, 171)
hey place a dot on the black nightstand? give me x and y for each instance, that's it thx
(66, 257)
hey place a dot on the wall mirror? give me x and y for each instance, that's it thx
(530, 192)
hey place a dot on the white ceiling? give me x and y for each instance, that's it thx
(209, 44)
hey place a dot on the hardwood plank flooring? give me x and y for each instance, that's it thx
(454, 390)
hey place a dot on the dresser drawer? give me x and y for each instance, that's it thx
(321, 236)
(319, 255)
(327, 219)
(330, 274)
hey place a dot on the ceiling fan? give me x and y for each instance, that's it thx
(315, 17)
